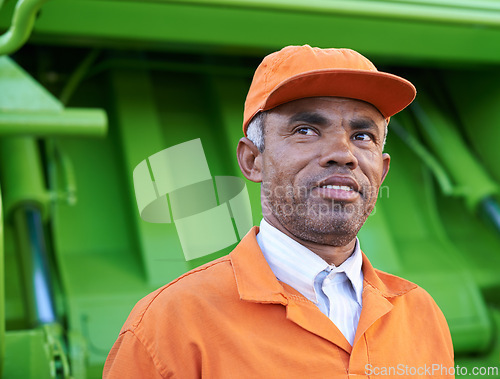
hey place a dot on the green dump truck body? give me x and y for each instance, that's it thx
(90, 89)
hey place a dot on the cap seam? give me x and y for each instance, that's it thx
(277, 63)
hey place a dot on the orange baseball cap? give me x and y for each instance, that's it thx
(296, 72)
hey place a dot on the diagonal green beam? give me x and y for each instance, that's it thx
(472, 181)
(140, 136)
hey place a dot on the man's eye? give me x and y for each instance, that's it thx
(306, 131)
(363, 137)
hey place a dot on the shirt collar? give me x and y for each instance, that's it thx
(256, 281)
(297, 266)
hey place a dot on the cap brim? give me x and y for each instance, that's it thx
(389, 93)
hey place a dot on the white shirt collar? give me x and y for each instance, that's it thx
(297, 266)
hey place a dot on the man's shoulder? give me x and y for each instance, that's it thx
(396, 287)
(209, 281)
(393, 285)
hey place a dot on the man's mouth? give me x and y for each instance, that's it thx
(343, 188)
(340, 182)
(338, 188)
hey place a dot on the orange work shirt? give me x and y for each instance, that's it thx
(231, 318)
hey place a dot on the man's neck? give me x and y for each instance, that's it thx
(335, 255)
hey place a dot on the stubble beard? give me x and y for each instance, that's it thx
(315, 219)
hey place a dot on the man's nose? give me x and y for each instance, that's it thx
(337, 150)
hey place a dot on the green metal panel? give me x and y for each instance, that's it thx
(28, 347)
(40, 350)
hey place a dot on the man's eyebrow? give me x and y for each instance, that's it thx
(309, 118)
(363, 124)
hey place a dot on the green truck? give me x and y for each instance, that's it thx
(90, 89)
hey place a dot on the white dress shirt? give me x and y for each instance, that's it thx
(336, 291)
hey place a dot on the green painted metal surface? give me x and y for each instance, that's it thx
(29, 344)
(181, 73)
(41, 351)
(432, 32)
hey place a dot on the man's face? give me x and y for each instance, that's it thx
(322, 167)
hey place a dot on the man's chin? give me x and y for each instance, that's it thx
(328, 238)
(338, 231)
(333, 224)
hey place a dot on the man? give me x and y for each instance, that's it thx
(297, 298)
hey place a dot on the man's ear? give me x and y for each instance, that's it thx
(386, 162)
(250, 160)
